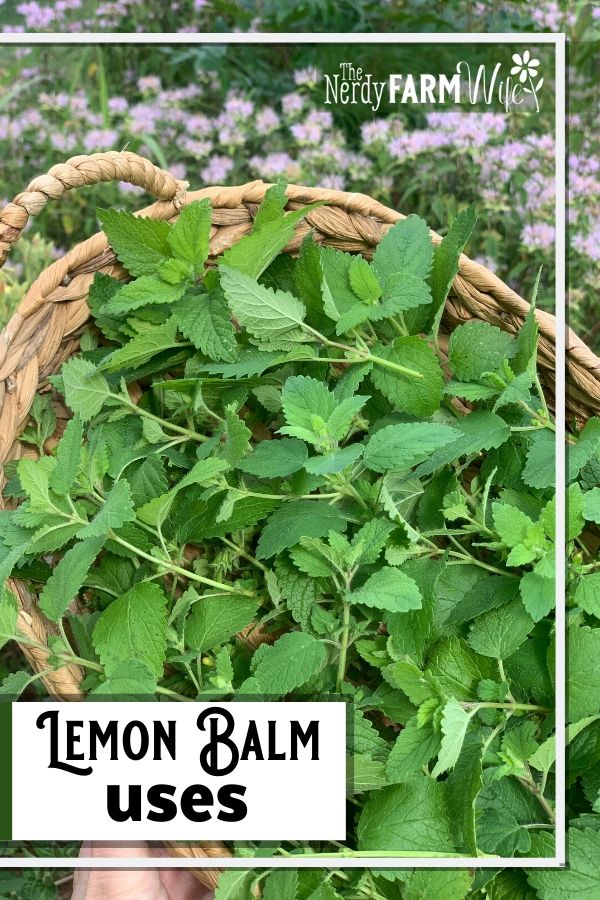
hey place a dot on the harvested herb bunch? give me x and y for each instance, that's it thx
(273, 482)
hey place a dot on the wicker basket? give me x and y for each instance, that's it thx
(46, 327)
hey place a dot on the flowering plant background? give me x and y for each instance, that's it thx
(222, 115)
(218, 114)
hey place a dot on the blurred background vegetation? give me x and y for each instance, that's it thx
(229, 113)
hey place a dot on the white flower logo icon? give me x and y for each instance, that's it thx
(526, 68)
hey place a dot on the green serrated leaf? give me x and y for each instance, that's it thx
(583, 647)
(268, 315)
(145, 291)
(539, 468)
(205, 321)
(538, 594)
(294, 520)
(133, 625)
(299, 591)
(256, 251)
(236, 437)
(148, 480)
(292, 660)
(587, 594)
(406, 248)
(446, 257)
(389, 589)
(499, 632)
(129, 679)
(414, 747)
(455, 721)
(272, 206)
(142, 348)
(14, 684)
(399, 447)
(476, 347)
(188, 238)
(9, 610)
(412, 816)
(140, 243)
(68, 577)
(68, 456)
(274, 459)
(86, 390)
(363, 281)
(116, 510)
(481, 430)
(581, 879)
(419, 397)
(214, 619)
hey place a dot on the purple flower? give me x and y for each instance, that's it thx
(126, 188)
(178, 171)
(308, 76)
(320, 117)
(217, 170)
(374, 131)
(415, 142)
(548, 15)
(539, 235)
(144, 117)
(588, 244)
(198, 124)
(78, 104)
(100, 139)
(118, 105)
(266, 121)
(292, 103)
(31, 118)
(306, 132)
(197, 149)
(274, 164)
(37, 17)
(63, 142)
(333, 182)
(467, 130)
(150, 83)
(238, 107)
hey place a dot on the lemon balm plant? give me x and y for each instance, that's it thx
(280, 478)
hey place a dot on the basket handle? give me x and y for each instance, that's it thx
(80, 171)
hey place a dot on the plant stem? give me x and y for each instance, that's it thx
(86, 663)
(394, 367)
(286, 496)
(362, 356)
(171, 567)
(534, 415)
(193, 435)
(532, 786)
(341, 672)
(529, 707)
(169, 693)
(248, 556)
(472, 560)
(348, 489)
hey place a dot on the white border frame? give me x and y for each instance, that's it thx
(272, 862)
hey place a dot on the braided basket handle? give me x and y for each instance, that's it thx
(80, 171)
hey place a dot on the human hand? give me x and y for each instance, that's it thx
(124, 884)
